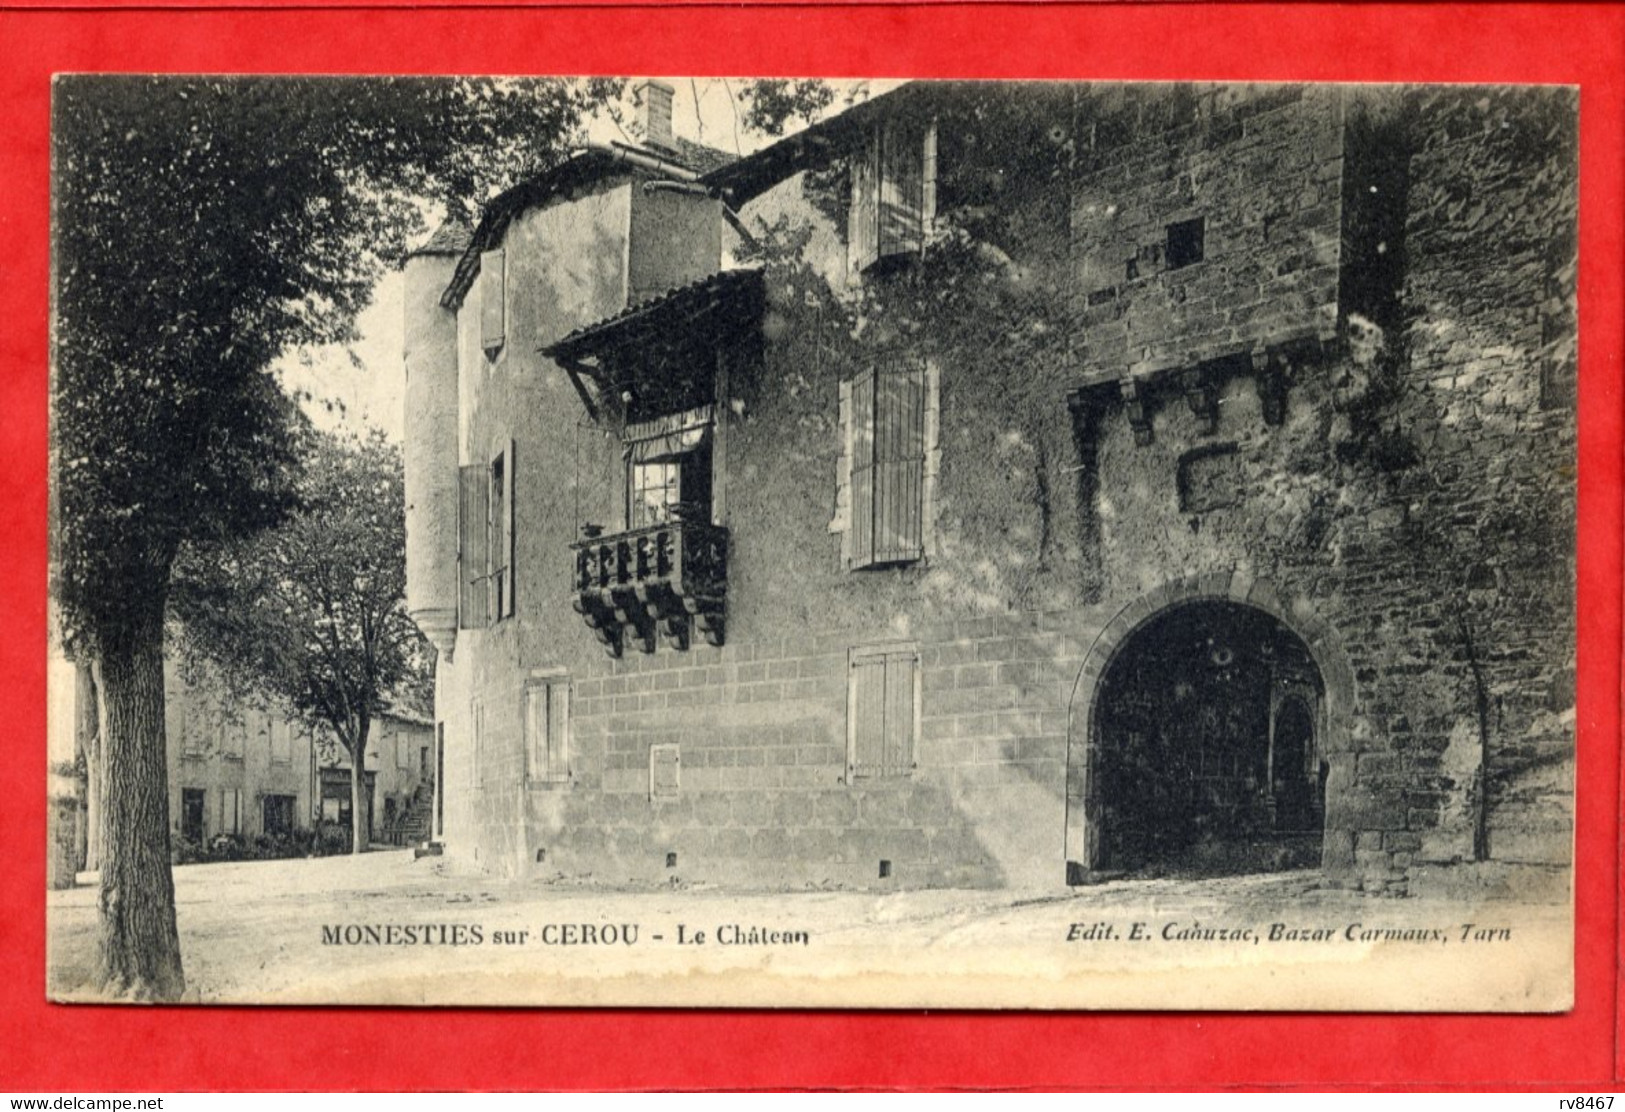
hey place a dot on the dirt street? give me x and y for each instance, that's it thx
(384, 928)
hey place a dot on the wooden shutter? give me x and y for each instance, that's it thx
(665, 777)
(503, 537)
(882, 711)
(473, 494)
(863, 471)
(899, 464)
(493, 300)
(862, 223)
(928, 182)
(558, 730)
(902, 179)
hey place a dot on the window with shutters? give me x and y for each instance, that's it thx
(883, 711)
(233, 735)
(231, 808)
(485, 541)
(894, 193)
(281, 742)
(499, 528)
(493, 301)
(547, 729)
(665, 771)
(887, 467)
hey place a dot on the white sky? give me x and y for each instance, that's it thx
(371, 390)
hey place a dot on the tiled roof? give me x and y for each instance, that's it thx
(451, 238)
(746, 178)
(701, 158)
(671, 309)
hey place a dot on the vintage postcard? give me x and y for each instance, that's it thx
(882, 544)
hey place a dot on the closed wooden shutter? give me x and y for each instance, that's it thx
(547, 726)
(505, 541)
(665, 776)
(882, 712)
(902, 180)
(862, 222)
(473, 495)
(928, 182)
(899, 464)
(493, 300)
(863, 470)
(558, 730)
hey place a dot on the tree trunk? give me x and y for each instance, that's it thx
(358, 782)
(87, 728)
(139, 953)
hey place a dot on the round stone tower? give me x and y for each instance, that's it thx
(431, 438)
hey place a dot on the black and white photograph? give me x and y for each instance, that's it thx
(764, 542)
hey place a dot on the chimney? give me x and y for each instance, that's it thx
(655, 99)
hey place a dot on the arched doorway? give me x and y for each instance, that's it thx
(1203, 750)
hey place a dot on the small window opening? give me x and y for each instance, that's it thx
(1185, 243)
(885, 869)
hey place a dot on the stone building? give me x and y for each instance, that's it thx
(1013, 485)
(238, 768)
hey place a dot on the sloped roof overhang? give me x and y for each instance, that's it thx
(619, 351)
(742, 181)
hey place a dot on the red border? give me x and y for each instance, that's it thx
(81, 1049)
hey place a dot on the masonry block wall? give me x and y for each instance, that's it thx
(1211, 237)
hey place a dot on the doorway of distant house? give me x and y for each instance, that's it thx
(423, 762)
(276, 815)
(192, 804)
(1202, 747)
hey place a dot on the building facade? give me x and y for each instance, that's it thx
(1013, 485)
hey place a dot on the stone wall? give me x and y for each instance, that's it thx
(1211, 238)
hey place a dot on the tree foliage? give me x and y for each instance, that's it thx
(204, 227)
(774, 104)
(312, 612)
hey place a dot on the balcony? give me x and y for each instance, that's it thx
(661, 581)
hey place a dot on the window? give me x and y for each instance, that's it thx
(191, 734)
(403, 750)
(231, 804)
(894, 193)
(277, 814)
(1184, 245)
(883, 711)
(887, 469)
(668, 472)
(281, 742)
(547, 729)
(485, 541)
(193, 801)
(499, 526)
(493, 301)
(665, 768)
(233, 735)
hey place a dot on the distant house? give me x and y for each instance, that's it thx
(243, 770)
(399, 779)
(1013, 484)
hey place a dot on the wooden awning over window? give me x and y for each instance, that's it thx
(662, 350)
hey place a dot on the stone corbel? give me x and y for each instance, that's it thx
(1137, 411)
(1270, 378)
(1202, 395)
